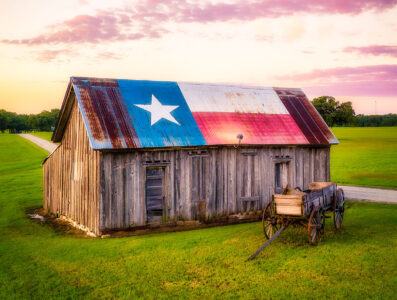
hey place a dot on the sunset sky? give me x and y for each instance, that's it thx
(346, 49)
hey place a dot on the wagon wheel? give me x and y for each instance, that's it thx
(269, 222)
(315, 227)
(322, 222)
(339, 209)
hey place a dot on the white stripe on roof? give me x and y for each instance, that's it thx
(219, 98)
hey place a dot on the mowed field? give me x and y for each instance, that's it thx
(365, 156)
(38, 262)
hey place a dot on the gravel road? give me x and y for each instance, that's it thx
(46, 145)
(369, 194)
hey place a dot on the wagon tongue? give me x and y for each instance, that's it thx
(268, 242)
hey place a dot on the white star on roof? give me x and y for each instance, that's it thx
(159, 111)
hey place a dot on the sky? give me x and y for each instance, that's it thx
(345, 49)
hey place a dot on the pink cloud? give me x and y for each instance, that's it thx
(51, 55)
(108, 55)
(148, 19)
(374, 50)
(83, 28)
(376, 72)
(355, 89)
(377, 80)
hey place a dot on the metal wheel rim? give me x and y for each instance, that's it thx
(269, 223)
(322, 222)
(313, 231)
(339, 210)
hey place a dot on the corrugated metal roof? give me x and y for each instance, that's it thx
(306, 116)
(138, 114)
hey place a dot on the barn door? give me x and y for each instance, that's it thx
(199, 166)
(154, 194)
(250, 187)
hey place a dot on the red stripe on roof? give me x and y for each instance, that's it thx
(271, 129)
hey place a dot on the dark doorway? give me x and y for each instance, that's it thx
(281, 176)
(154, 194)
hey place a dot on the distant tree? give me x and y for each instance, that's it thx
(3, 120)
(33, 122)
(46, 119)
(376, 120)
(333, 112)
(389, 120)
(344, 114)
(17, 123)
(326, 106)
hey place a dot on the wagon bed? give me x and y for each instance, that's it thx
(298, 203)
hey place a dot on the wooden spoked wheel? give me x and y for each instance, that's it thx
(339, 209)
(269, 221)
(315, 228)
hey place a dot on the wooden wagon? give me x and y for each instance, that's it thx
(307, 208)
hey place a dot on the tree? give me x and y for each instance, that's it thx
(326, 106)
(43, 121)
(344, 114)
(333, 112)
(3, 120)
(376, 120)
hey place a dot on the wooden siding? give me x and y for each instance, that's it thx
(202, 183)
(71, 176)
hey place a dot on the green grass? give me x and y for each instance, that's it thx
(43, 134)
(35, 262)
(365, 156)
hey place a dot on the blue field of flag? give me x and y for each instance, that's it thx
(160, 114)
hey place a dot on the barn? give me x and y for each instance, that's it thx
(138, 153)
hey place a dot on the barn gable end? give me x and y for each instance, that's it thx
(71, 174)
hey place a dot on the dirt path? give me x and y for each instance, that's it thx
(369, 194)
(46, 145)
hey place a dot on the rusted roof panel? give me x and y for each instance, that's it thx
(122, 114)
(105, 114)
(306, 116)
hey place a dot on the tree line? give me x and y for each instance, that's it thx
(15, 123)
(335, 113)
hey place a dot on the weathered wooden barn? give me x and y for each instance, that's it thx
(134, 153)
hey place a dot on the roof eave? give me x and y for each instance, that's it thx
(63, 114)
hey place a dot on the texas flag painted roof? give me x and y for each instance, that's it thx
(140, 114)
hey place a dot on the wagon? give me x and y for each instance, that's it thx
(306, 208)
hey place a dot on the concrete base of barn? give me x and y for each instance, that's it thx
(174, 226)
(69, 227)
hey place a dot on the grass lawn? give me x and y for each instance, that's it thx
(43, 134)
(365, 156)
(36, 262)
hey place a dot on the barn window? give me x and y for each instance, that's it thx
(281, 176)
(194, 153)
